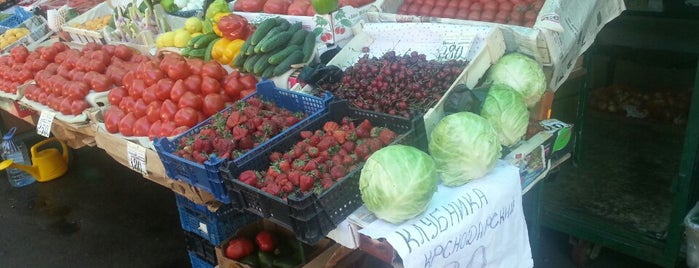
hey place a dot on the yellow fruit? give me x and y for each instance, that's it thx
(166, 39)
(181, 38)
(193, 25)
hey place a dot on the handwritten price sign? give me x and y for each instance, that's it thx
(136, 156)
(43, 126)
(453, 51)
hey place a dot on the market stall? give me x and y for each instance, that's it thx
(250, 111)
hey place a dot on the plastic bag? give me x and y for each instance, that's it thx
(691, 222)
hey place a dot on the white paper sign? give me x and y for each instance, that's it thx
(43, 126)
(136, 155)
(480, 224)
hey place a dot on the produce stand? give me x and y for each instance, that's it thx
(530, 163)
(648, 225)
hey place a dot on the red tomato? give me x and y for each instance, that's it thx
(150, 94)
(163, 87)
(128, 78)
(449, 13)
(100, 56)
(502, 16)
(101, 83)
(429, 3)
(413, 9)
(154, 130)
(64, 106)
(109, 49)
(126, 124)
(213, 70)
(537, 5)
(488, 15)
(192, 100)
(116, 74)
(127, 103)
(246, 93)
(166, 128)
(209, 85)
(152, 76)
(123, 52)
(78, 106)
(48, 53)
(516, 17)
(186, 116)
(437, 11)
(423, 11)
(153, 111)
(115, 95)
(96, 66)
(476, 6)
(474, 15)
(453, 4)
(530, 15)
(441, 3)
(213, 103)
(248, 81)
(76, 90)
(193, 83)
(141, 127)
(178, 70)
(136, 89)
(112, 117)
(195, 65)
(167, 110)
(178, 89)
(178, 130)
(139, 108)
(490, 5)
(505, 6)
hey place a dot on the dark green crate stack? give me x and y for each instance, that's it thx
(632, 180)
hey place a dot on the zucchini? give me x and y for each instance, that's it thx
(205, 40)
(285, 65)
(309, 44)
(262, 30)
(185, 51)
(280, 40)
(282, 54)
(298, 37)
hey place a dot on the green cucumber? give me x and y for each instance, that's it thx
(185, 51)
(245, 46)
(197, 53)
(269, 71)
(207, 55)
(239, 60)
(280, 40)
(261, 64)
(285, 65)
(299, 37)
(205, 40)
(272, 33)
(295, 27)
(250, 63)
(262, 30)
(309, 44)
(282, 54)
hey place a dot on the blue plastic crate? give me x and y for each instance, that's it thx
(215, 227)
(206, 176)
(199, 262)
(19, 15)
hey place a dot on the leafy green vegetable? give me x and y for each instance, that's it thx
(464, 146)
(505, 109)
(397, 182)
(522, 73)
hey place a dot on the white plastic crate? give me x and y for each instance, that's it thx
(83, 36)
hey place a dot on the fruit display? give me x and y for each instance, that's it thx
(165, 97)
(402, 85)
(181, 37)
(137, 23)
(12, 35)
(275, 45)
(15, 70)
(94, 24)
(320, 158)
(515, 12)
(65, 76)
(234, 132)
(296, 7)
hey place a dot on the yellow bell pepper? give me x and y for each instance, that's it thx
(218, 49)
(214, 22)
(232, 50)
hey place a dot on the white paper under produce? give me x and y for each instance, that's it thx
(480, 224)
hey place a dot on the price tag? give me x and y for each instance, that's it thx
(454, 47)
(136, 155)
(43, 127)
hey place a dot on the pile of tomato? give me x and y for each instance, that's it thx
(69, 75)
(167, 95)
(17, 68)
(516, 12)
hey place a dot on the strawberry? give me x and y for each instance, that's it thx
(287, 187)
(272, 188)
(345, 121)
(312, 151)
(273, 171)
(275, 156)
(203, 145)
(298, 164)
(364, 129)
(239, 132)
(284, 166)
(255, 102)
(314, 140)
(319, 133)
(236, 118)
(337, 159)
(330, 126)
(223, 145)
(270, 128)
(200, 157)
(347, 160)
(325, 143)
(246, 143)
(291, 120)
(386, 136)
(249, 177)
(310, 166)
(348, 146)
(340, 136)
(361, 150)
(305, 182)
(338, 172)
(374, 144)
(294, 176)
(326, 183)
(306, 134)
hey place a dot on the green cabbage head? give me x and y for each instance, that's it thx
(464, 146)
(505, 109)
(397, 182)
(522, 73)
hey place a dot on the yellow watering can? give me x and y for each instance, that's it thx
(47, 164)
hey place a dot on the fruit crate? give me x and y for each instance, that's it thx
(215, 227)
(38, 32)
(312, 216)
(200, 247)
(206, 176)
(198, 262)
(83, 36)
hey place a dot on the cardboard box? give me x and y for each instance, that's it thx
(116, 147)
(251, 230)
